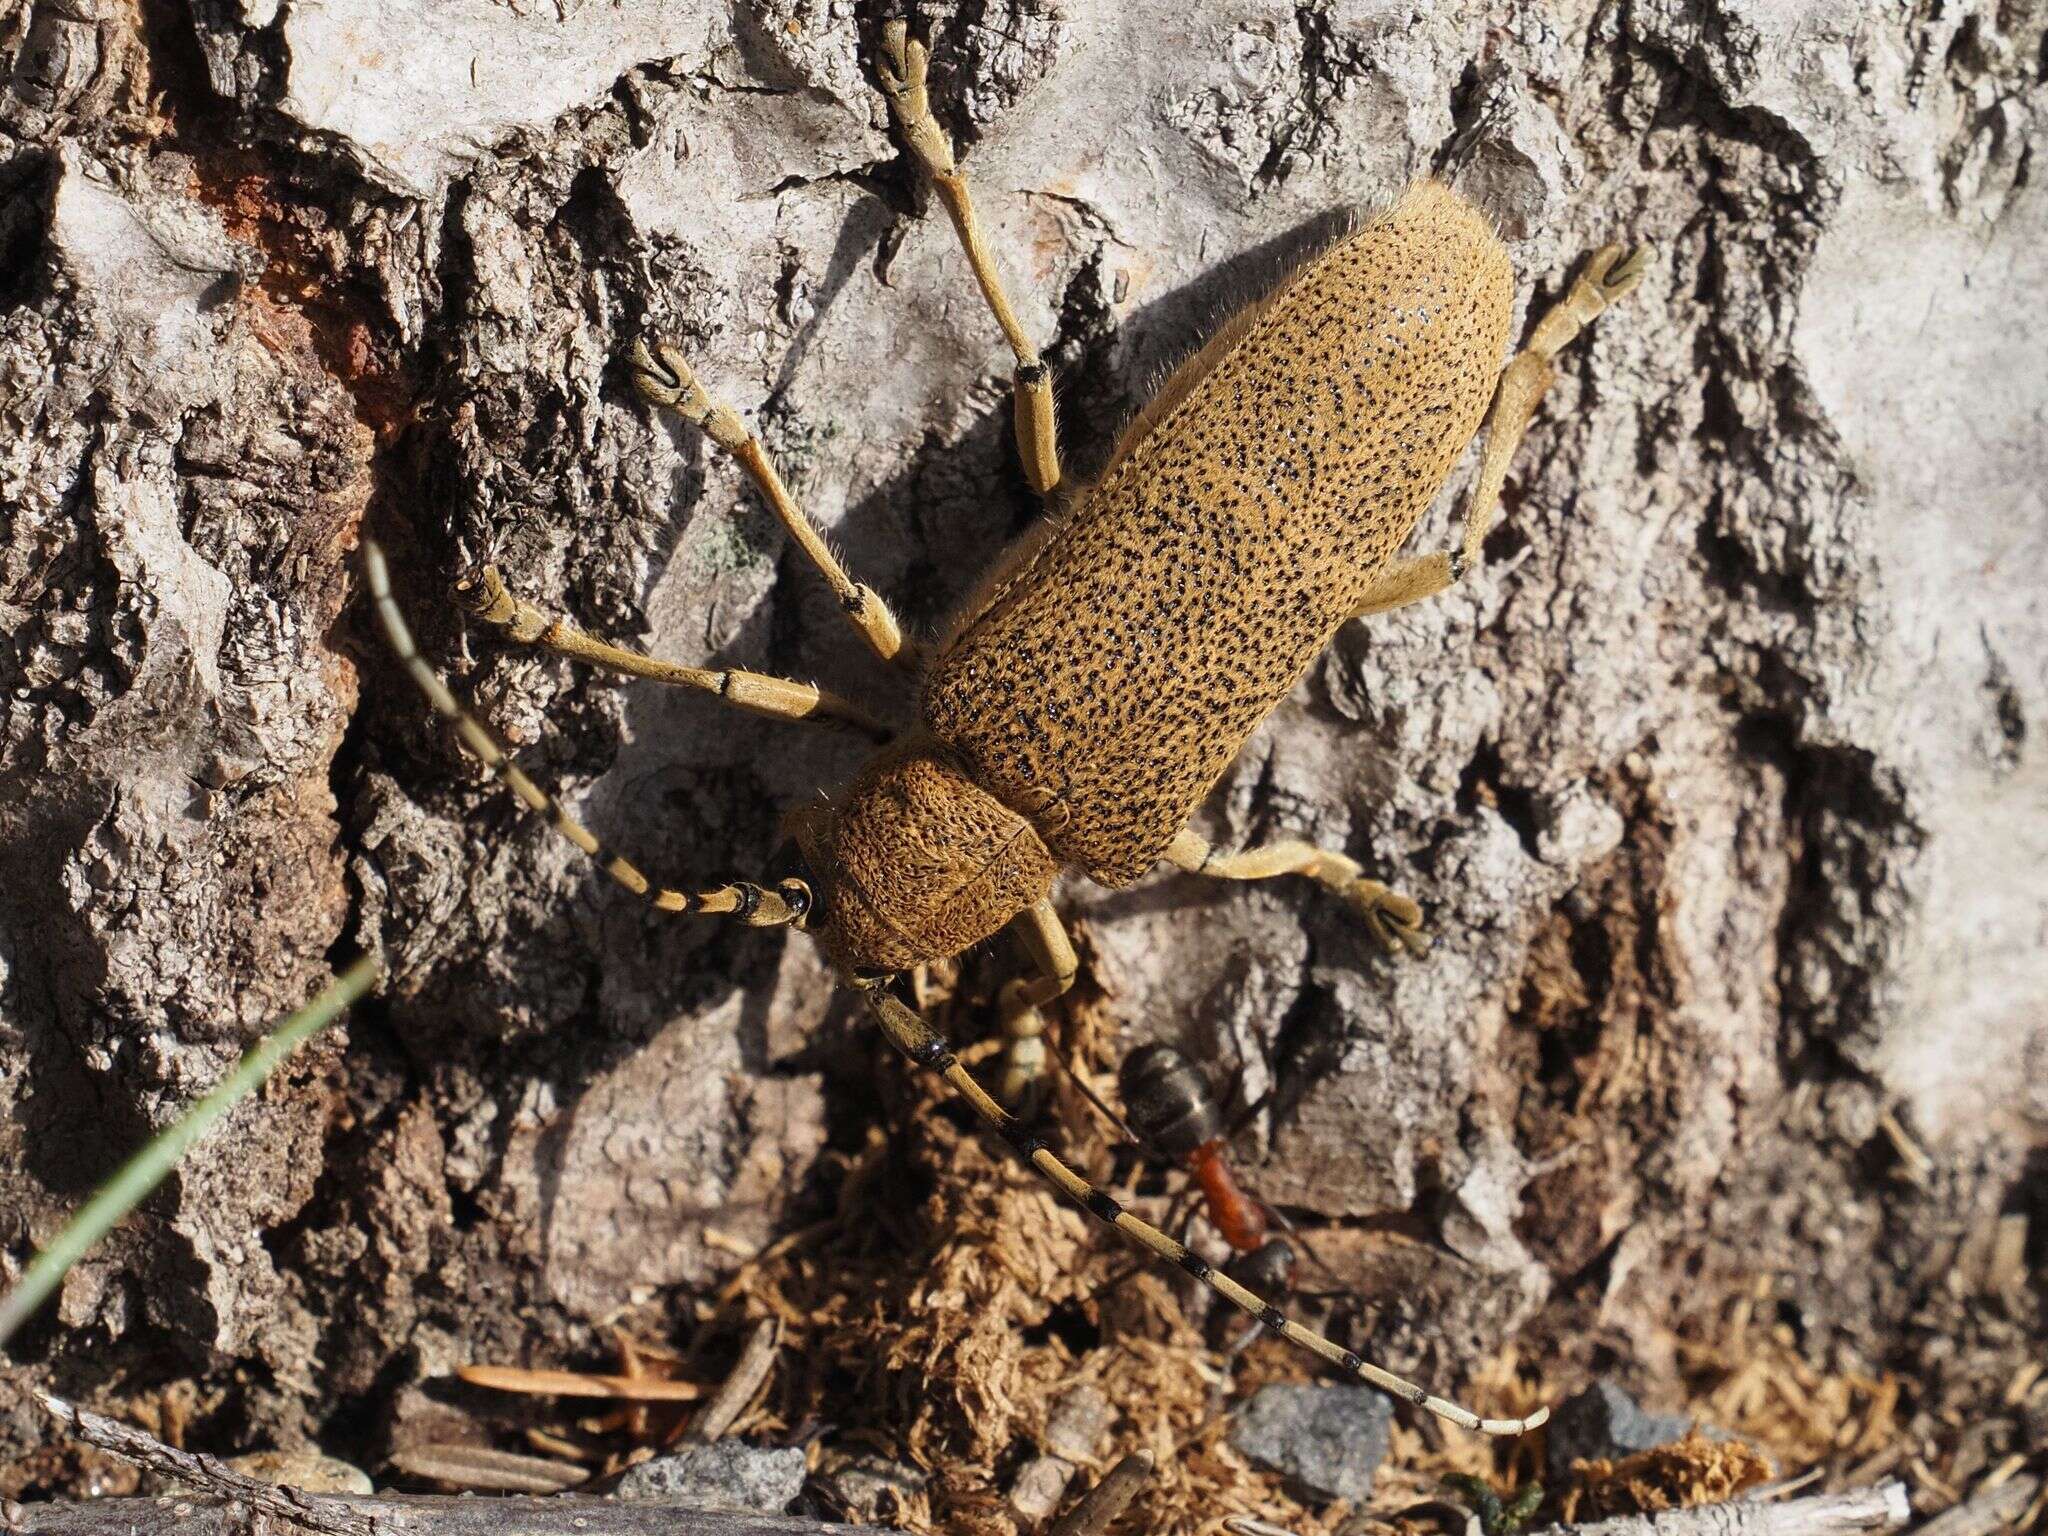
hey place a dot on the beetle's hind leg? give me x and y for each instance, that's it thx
(488, 598)
(1611, 274)
(1395, 920)
(902, 71)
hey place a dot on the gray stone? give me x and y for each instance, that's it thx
(1329, 1441)
(1603, 1420)
(727, 1474)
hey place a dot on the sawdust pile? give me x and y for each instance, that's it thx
(1749, 1377)
(950, 1303)
(940, 1315)
(954, 1302)
(1695, 1470)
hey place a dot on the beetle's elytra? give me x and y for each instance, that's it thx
(1102, 679)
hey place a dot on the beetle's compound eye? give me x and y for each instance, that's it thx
(796, 895)
(798, 887)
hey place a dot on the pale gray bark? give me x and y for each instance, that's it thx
(1723, 783)
(1880, 1509)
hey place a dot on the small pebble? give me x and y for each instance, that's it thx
(870, 1489)
(1329, 1441)
(727, 1474)
(308, 1471)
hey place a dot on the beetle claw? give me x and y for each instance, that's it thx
(1615, 270)
(1395, 920)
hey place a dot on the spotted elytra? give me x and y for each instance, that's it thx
(1103, 677)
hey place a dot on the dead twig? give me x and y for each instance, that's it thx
(311, 1512)
(224, 1502)
(1994, 1506)
(757, 1359)
(1865, 1512)
(1107, 1499)
(431, 1515)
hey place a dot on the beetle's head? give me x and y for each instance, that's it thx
(843, 917)
(809, 853)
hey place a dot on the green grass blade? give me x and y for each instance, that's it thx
(146, 1169)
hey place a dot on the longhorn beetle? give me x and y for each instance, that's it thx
(1105, 674)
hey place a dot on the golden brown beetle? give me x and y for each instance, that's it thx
(1105, 675)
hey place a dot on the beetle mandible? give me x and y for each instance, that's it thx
(1103, 677)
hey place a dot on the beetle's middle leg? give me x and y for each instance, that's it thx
(902, 71)
(1611, 274)
(1395, 920)
(758, 906)
(780, 698)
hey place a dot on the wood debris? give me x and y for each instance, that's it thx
(632, 1389)
(1692, 1472)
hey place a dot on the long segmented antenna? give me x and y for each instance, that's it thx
(916, 1039)
(757, 906)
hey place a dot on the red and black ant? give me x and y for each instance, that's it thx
(1171, 1107)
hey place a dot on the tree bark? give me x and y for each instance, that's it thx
(1722, 782)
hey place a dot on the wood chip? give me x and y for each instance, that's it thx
(725, 1242)
(2023, 1381)
(560, 1447)
(1925, 1475)
(512, 1378)
(1100, 1505)
(1918, 1165)
(486, 1470)
(1991, 1508)
(757, 1359)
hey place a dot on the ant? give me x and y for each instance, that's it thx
(1172, 1107)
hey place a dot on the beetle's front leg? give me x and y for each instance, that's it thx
(665, 380)
(779, 698)
(1023, 1003)
(902, 71)
(1395, 920)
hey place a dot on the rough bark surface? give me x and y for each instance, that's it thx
(1723, 782)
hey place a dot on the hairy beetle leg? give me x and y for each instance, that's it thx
(1610, 275)
(901, 69)
(780, 698)
(1395, 920)
(665, 380)
(1024, 1000)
